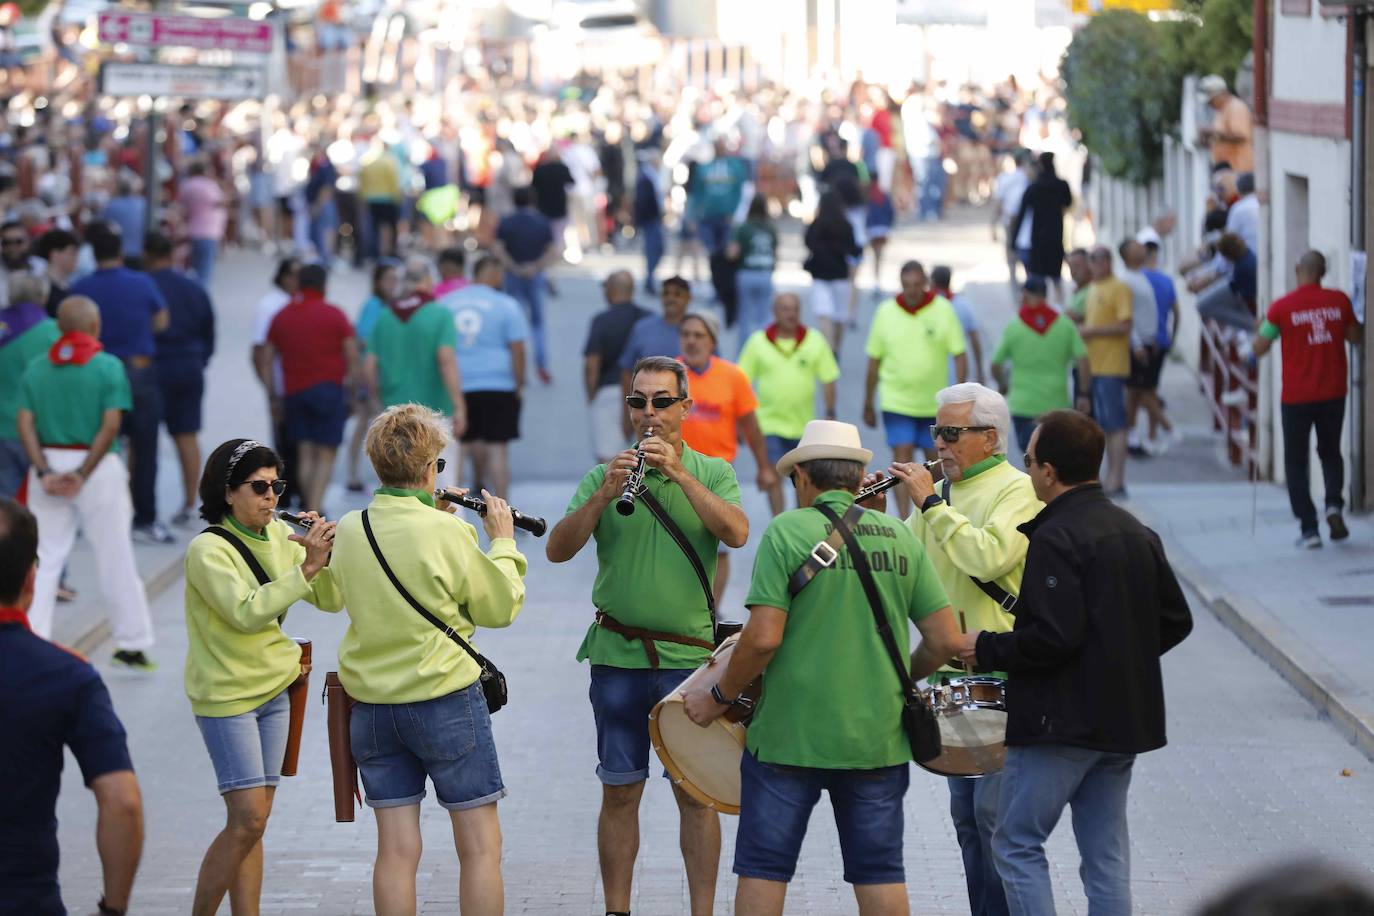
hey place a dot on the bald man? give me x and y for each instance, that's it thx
(71, 404)
(785, 362)
(606, 341)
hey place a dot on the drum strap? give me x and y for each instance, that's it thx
(1004, 598)
(249, 560)
(648, 637)
(657, 511)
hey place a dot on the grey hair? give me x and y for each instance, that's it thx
(663, 364)
(418, 269)
(989, 409)
(28, 287)
(834, 473)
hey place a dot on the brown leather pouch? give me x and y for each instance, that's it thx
(338, 707)
(297, 694)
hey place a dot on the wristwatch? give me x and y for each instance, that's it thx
(739, 702)
(931, 502)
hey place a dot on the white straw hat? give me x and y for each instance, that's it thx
(826, 439)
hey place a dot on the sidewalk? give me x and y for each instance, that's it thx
(1308, 613)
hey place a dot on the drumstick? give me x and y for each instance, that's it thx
(963, 628)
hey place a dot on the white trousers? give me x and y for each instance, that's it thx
(607, 411)
(104, 511)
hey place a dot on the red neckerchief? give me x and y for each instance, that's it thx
(772, 333)
(913, 309)
(1039, 317)
(74, 348)
(408, 305)
(14, 615)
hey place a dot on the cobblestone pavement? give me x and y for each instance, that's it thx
(1252, 774)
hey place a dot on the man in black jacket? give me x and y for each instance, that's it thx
(1099, 605)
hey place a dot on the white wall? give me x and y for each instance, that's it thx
(1308, 57)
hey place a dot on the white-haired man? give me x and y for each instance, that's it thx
(969, 530)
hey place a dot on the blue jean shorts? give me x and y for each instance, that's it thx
(904, 430)
(247, 750)
(447, 739)
(317, 414)
(777, 447)
(776, 803)
(622, 699)
(1109, 402)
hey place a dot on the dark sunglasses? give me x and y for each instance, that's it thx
(439, 465)
(261, 487)
(951, 434)
(663, 402)
(1027, 460)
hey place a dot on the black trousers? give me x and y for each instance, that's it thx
(141, 427)
(1298, 422)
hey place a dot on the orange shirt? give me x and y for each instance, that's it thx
(720, 396)
(1235, 119)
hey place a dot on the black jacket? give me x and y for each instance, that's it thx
(1044, 204)
(1098, 606)
(648, 204)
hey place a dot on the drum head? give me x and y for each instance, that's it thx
(703, 761)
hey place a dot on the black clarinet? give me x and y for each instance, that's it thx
(291, 519)
(625, 503)
(936, 469)
(535, 526)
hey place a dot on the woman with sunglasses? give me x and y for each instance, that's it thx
(239, 663)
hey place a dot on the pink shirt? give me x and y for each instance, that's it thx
(447, 286)
(203, 201)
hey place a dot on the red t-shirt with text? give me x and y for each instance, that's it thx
(1312, 322)
(308, 335)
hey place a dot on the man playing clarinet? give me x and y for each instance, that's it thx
(653, 623)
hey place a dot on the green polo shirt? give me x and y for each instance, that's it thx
(68, 402)
(831, 697)
(784, 374)
(1039, 365)
(913, 354)
(406, 356)
(642, 578)
(15, 357)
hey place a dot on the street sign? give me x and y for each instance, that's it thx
(188, 82)
(156, 30)
(1088, 7)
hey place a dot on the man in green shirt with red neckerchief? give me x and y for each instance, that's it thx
(653, 626)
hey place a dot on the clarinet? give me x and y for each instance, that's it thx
(887, 483)
(535, 526)
(291, 519)
(625, 504)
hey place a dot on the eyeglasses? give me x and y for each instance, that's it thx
(951, 434)
(663, 402)
(439, 465)
(261, 487)
(1027, 460)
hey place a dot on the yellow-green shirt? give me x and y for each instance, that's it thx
(975, 534)
(784, 374)
(237, 657)
(1109, 302)
(390, 653)
(913, 352)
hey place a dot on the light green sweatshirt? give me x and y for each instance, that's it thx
(390, 653)
(238, 658)
(975, 534)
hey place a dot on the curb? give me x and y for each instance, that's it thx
(155, 585)
(1273, 641)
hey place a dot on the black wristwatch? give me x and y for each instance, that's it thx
(739, 702)
(931, 502)
(40, 473)
(107, 910)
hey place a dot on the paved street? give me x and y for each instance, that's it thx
(1252, 774)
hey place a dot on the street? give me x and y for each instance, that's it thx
(1252, 774)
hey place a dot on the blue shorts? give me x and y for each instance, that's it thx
(447, 739)
(317, 414)
(247, 750)
(622, 699)
(183, 387)
(776, 803)
(1109, 402)
(904, 430)
(777, 447)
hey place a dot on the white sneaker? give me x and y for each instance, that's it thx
(155, 533)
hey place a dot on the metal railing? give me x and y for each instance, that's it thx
(1229, 379)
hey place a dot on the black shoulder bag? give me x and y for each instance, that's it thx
(657, 511)
(918, 719)
(251, 561)
(492, 680)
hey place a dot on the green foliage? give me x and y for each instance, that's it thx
(1223, 37)
(31, 7)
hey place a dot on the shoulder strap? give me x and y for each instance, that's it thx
(434, 621)
(1004, 598)
(656, 509)
(251, 561)
(875, 601)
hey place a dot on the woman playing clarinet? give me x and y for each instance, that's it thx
(242, 573)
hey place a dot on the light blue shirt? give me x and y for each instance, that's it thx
(487, 323)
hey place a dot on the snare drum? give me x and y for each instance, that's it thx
(972, 715)
(704, 762)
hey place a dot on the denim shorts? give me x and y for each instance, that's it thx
(776, 803)
(247, 750)
(317, 414)
(447, 739)
(777, 447)
(622, 699)
(1109, 402)
(904, 430)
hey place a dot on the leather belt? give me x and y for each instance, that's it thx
(648, 637)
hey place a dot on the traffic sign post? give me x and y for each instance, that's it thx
(127, 78)
(158, 30)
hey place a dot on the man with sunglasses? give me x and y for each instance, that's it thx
(1099, 606)
(653, 625)
(71, 404)
(971, 533)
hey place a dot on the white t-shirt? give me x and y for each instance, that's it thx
(1144, 310)
(1243, 220)
(268, 306)
(969, 322)
(1009, 190)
